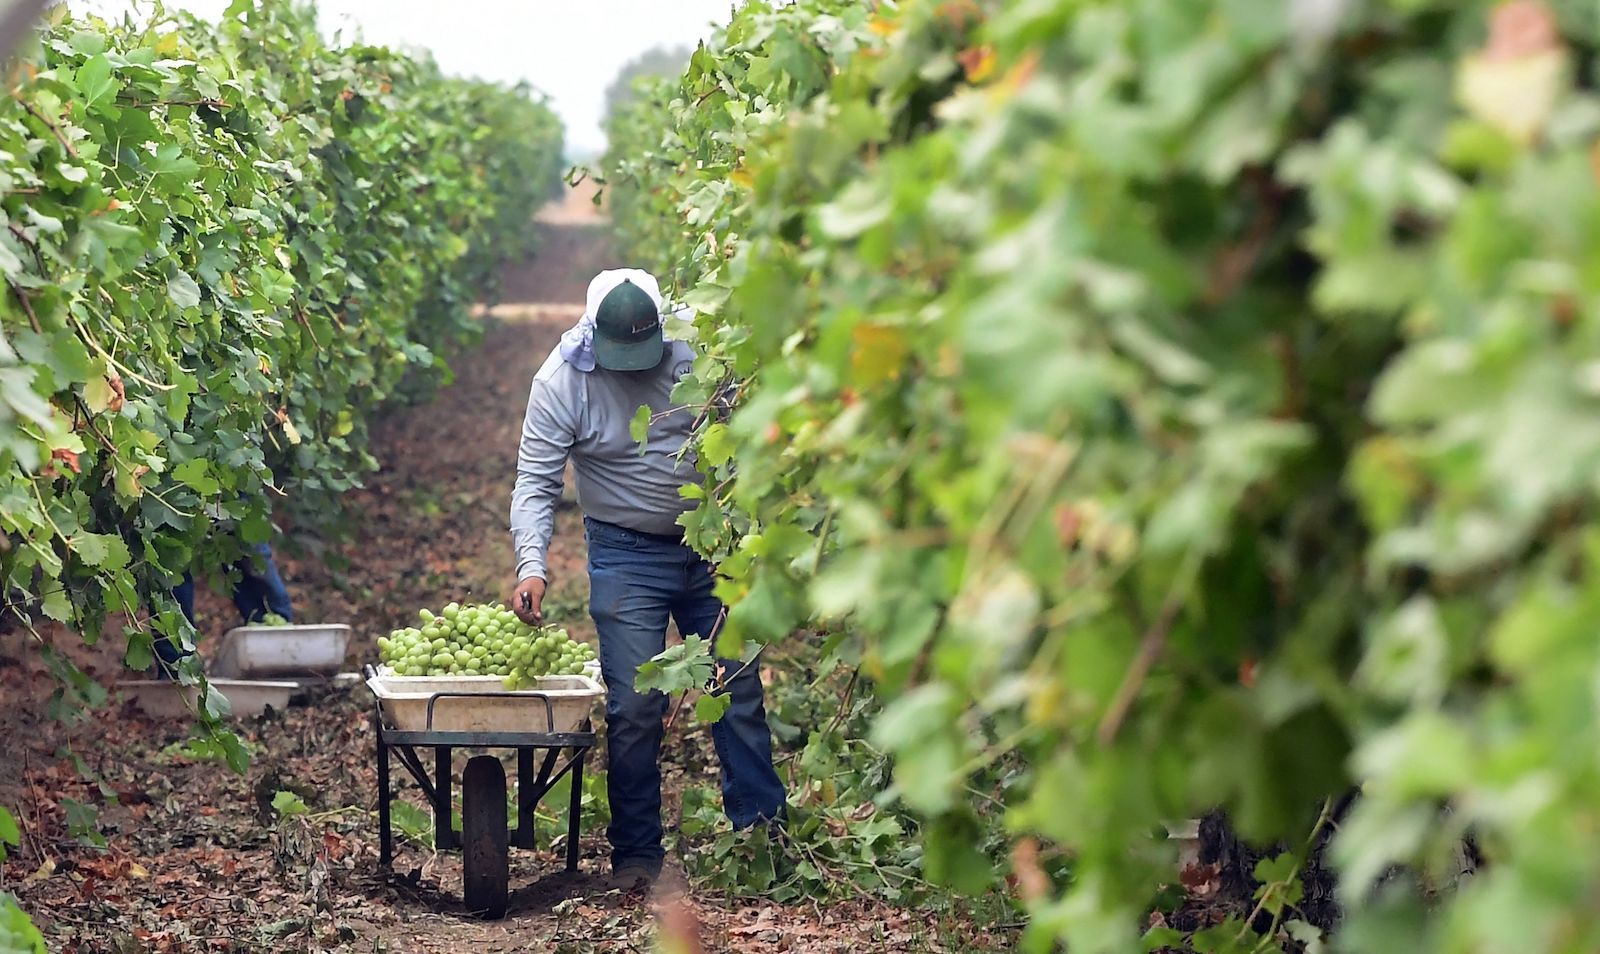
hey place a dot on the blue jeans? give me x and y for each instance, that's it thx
(635, 581)
(260, 591)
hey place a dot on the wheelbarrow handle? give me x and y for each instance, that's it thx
(549, 709)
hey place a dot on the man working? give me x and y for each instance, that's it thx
(259, 592)
(640, 571)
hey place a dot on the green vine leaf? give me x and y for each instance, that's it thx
(712, 707)
(183, 290)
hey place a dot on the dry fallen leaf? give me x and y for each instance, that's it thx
(1200, 880)
(70, 458)
(1033, 884)
(44, 871)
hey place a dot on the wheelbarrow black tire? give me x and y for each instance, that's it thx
(485, 849)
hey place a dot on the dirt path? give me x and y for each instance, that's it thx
(196, 859)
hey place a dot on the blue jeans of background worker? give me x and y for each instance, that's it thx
(259, 591)
(636, 580)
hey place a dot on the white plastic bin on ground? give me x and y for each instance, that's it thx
(165, 699)
(1186, 836)
(404, 702)
(264, 651)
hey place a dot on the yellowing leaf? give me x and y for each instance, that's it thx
(883, 26)
(96, 394)
(1514, 96)
(1016, 77)
(879, 352)
(978, 63)
(104, 393)
(1514, 82)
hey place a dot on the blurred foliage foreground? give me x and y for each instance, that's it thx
(1167, 407)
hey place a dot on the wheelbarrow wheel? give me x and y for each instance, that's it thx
(485, 850)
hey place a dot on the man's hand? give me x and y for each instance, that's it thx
(527, 600)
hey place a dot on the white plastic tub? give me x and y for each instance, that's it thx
(1185, 835)
(259, 651)
(404, 703)
(165, 699)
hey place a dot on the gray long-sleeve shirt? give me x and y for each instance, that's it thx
(586, 416)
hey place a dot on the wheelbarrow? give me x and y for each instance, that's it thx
(444, 713)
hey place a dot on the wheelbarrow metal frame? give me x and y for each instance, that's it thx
(532, 785)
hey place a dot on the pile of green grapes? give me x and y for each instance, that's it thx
(482, 640)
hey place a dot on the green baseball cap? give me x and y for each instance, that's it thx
(627, 330)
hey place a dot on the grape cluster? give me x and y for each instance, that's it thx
(482, 640)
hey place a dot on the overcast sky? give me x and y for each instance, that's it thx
(570, 49)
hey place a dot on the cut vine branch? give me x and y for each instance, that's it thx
(61, 137)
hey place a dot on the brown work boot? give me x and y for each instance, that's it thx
(633, 877)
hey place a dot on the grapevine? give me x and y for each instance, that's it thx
(223, 246)
(1182, 407)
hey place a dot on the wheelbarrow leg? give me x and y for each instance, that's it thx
(529, 792)
(385, 834)
(574, 810)
(524, 835)
(444, 828)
